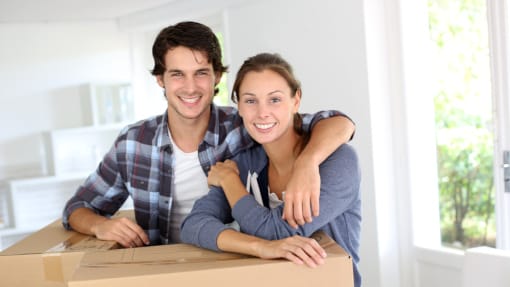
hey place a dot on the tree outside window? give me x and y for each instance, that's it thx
(458, 29)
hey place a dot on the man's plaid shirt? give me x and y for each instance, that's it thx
(139, 165)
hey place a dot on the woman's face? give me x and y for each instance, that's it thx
(267, 105)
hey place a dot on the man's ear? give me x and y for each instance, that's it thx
(218, 78)
(159, 79)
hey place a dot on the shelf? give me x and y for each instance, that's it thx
(107, 103)
(78, 150)
(71, 154)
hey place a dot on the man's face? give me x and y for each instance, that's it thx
(189, 82)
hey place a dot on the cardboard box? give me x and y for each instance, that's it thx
(48, 257)
(186, 265)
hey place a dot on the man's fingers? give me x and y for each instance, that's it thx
(140, 233)
(298, 211)
(126, 232)
(288, 214)
(315, 204)
(307, 212)
(135, 233)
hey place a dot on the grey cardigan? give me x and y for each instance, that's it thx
(340, 206)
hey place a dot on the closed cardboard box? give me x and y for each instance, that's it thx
(186, 265)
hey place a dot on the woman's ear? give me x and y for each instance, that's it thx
(297, 100)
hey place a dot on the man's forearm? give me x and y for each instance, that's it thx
(84, 220)
(327, 135)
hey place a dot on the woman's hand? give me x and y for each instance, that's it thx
(298, 249)
(221, 171)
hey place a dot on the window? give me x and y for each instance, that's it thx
(222, 98)
(464, 125)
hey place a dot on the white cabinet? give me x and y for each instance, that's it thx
(5, 207)
(78, 150)
(106, 108)
(71, 155)
(36, 202)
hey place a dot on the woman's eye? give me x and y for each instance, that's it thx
(275, 100)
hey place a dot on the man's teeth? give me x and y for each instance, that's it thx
(190, 100)
(264, 126)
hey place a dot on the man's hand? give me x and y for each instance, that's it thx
(298, 249)
(302, 194)
(122, 230)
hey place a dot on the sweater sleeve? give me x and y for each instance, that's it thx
(340, 180)
(207, 220)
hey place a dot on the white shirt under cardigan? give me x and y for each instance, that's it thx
(252, 186)
(340, 206)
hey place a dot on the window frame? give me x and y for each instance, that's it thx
(497, 15)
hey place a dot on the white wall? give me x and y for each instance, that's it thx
(324, 42)
(41, 67)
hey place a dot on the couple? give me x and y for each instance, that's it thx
(166, 163)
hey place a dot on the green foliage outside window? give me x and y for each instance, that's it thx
(222, 97)
(458, 29)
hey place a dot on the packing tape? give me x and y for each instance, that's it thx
(52, 265)
(52, 258)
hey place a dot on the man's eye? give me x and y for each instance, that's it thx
(173, 75)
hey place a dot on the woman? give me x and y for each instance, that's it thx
(250, 188)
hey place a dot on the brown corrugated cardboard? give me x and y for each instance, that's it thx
(48, 257)
(185, 265)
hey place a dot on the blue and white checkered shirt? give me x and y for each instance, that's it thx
(139, 165)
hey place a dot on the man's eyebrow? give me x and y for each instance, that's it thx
(204, 70)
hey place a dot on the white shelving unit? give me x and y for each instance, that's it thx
(108, 103)
(78, 150)
(72, 154)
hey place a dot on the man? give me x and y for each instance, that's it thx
(162, 162)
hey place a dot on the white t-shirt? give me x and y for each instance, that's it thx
(190, 183)
(253, 187)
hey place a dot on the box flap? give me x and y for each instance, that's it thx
(55, 238)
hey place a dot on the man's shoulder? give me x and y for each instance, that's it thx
(225, 114)
(143, 130)
(226, 125)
